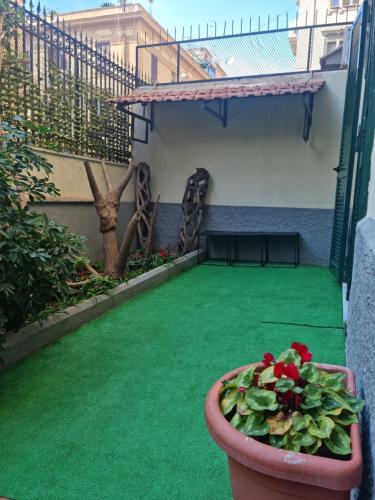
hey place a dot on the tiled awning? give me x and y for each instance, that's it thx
(209, 91)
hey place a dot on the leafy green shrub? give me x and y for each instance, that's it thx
(34, 250)
(95, 285)
(290, 403)
(138, 263)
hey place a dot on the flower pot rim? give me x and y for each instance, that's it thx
(299, 467)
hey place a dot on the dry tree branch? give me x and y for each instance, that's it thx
(98, 197)
(125, 181)
(107, 179)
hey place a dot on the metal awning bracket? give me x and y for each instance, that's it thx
(149, 122)
(221, 114)
(308, 104)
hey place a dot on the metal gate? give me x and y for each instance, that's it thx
(364, 149)
(348, 144)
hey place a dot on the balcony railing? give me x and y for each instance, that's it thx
(283, 50)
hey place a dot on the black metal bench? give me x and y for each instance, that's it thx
(232, 240)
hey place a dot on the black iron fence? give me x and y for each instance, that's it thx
(282, 50)
(59, 79)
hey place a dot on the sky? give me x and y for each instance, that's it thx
(179, 13)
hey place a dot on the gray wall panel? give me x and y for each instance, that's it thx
(361, 344)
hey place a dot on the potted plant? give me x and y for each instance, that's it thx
(289, 428)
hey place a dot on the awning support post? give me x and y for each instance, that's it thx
(222, 114)
(149, 122)
(308, 104)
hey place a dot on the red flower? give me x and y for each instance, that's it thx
(303, 351)
(164, 253)
(290, 371)
(268, 359)
(242, 389)
(279, 369)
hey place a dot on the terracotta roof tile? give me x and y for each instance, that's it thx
(208, 92)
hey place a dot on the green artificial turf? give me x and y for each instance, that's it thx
(116, 410)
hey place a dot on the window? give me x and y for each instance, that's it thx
(335, 4)
(330, 47)
(103, 46)
(56, 57)
(349, 3)
(154, 68)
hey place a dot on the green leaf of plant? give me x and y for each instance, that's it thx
(312, 391)
(229, 401)
(267, 376)
(279, 424)
(284, 384)
(278, 441)
(345, 418)
(339, 441)
(290, 356)
(334, 381)
(237, 421)
(311, 450)
(242, 406)
(304, 439)
(256, 425)
(334, 400)
(260, 400)
(228, 384)
(333, 412)
(310, 373)
(321, 428)
(300, 422)
(356, 405)
(291, 445)
(297, 390)
(245, 378)
(310, 403)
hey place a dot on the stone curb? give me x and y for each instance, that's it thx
(37, 335)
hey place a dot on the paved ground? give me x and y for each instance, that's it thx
(115, 410)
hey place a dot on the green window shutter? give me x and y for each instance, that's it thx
(348, 143)
(365, 146)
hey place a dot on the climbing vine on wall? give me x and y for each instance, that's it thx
(55, 80)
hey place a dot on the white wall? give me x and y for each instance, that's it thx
(260, 159)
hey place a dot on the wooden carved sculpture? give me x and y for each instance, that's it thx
(107, 207)
(144, 207)
(192, 210)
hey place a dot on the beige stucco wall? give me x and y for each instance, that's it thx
(75, 207)
(70, 177)
(260, 159)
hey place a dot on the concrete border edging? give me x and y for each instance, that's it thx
(37, 335)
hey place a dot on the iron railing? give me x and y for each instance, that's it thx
(60, 79)
(259, 52)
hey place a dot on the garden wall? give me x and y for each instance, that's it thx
(75, 207)
(263, 175)
(361, 335)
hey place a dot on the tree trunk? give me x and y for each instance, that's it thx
(107, 208)
(110, 252)
(126, 243)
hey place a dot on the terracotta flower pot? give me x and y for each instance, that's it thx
(261, 472)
